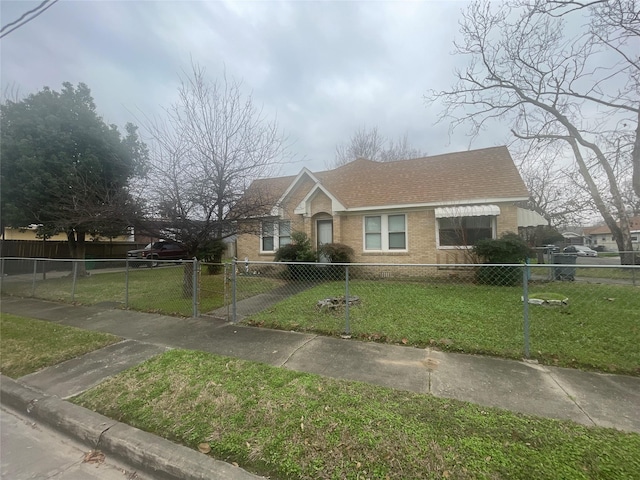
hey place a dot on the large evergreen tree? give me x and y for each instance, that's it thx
(64, 169)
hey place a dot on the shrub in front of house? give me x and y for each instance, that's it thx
(509, 248)
(335, 253)
(299, 250)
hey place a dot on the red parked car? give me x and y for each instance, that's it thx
(162, 250)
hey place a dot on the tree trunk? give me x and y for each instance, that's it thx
(621, 232)
(77, 249)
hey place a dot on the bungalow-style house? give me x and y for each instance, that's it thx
(600, 236)
(423, 210)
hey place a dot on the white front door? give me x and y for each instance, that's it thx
(324, 230)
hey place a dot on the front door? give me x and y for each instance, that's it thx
(324, 229)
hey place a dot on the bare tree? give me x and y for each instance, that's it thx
(558, 83)
(211, 144)
(370, 144)
(550, 181)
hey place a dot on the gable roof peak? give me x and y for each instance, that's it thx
(467, 176)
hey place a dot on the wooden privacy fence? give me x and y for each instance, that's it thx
(60, 250)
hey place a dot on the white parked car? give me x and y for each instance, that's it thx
(580, 251)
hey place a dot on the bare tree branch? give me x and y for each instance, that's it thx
(371, 145)
(581, 89)
(207, 149)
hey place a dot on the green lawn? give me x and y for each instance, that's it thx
(150, 290)
(600, 329)
(291, 425)
(29, 345)
(587, 272)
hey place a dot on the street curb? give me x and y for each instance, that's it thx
(141, 450)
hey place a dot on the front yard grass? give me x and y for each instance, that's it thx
(286, 425)
(158, 290)
(29, 345)
(599, 329)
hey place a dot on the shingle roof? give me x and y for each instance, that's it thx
(634, 224)
(454, 177)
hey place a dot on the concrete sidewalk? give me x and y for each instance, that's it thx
(584, 397)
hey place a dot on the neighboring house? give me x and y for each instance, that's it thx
(575, 237)
(30, 233)
(600, 236)
(424, 210)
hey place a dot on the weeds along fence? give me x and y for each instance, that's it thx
(525, 309)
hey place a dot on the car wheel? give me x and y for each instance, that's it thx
(153, 261)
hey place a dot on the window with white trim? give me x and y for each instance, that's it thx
(275, 235)
(385, 232)
(465, 231)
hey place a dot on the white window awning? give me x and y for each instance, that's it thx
(467, 211)
(529, 218)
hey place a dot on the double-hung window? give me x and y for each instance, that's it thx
(385, 232)
(275, 234)
(464, 231)
(284, 233)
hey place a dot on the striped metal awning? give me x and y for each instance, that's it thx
(467, 211)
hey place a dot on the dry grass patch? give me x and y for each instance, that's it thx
(287, 424)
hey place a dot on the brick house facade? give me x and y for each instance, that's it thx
(425, 210)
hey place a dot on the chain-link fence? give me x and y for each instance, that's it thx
(163, 286)
(567, 312)
(571, 311)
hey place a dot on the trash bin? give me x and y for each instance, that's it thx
(567, 271)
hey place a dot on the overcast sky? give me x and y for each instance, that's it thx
(324, 68)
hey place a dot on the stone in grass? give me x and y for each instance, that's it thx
(547, 299)
(336, 302)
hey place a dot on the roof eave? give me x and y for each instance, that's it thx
(436, 204)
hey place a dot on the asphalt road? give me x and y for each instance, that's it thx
(29, 450)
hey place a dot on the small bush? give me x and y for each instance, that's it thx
(337, 252)
(509, 248)
(299, 250)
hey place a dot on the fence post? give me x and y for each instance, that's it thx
(225, 288)
(347, 328)
(194, 282)
(234, 310)
(75, 278)
(35, 272)
(525, 302)
(126, 283)
(2, 275)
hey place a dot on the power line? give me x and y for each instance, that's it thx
(23, 15)
(36, 11)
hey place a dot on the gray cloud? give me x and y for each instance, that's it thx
(324, 68)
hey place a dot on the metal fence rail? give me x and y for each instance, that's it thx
(526, 309)
(170, 287)
(519, 306)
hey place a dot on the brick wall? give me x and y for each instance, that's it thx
(348, 229)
